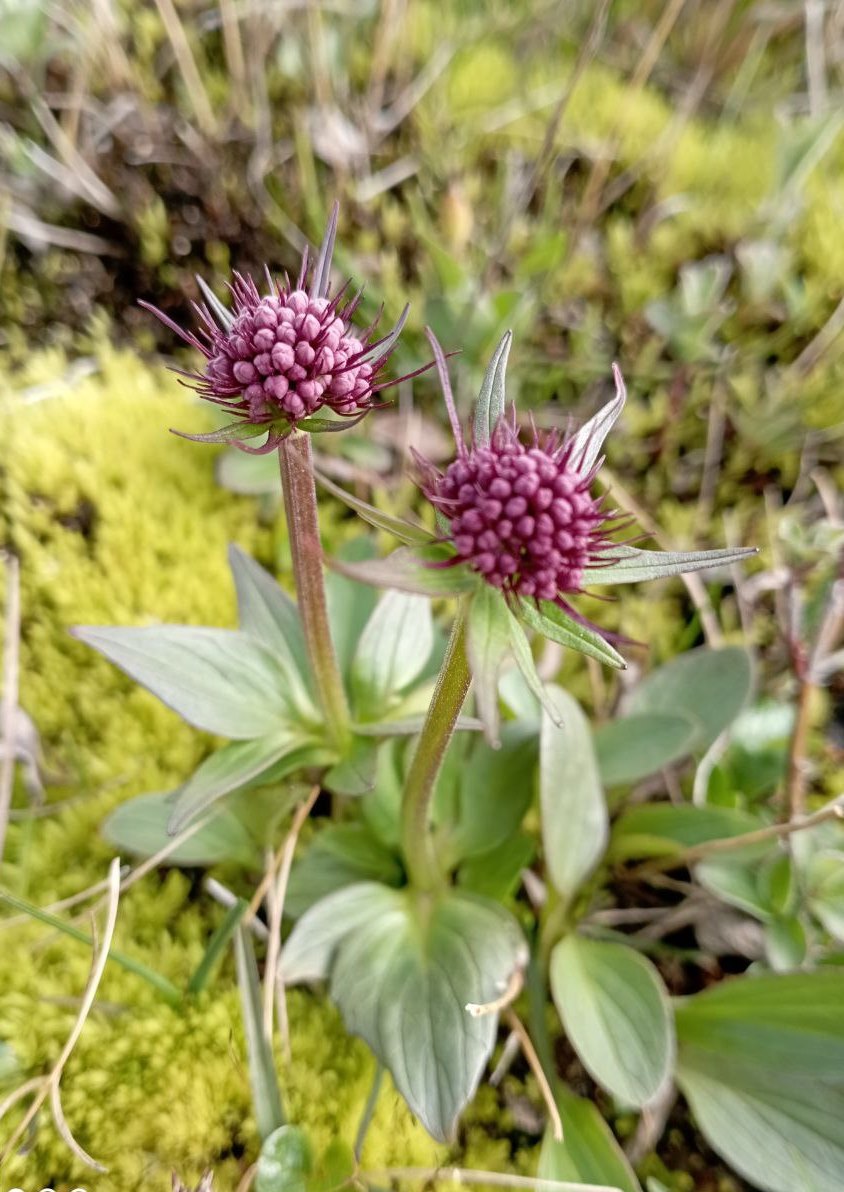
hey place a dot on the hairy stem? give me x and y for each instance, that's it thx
(438, 729)
(300, 504)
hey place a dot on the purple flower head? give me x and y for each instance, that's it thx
(521, 514)
(280, 357)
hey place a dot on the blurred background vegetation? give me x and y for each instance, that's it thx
(657, 182)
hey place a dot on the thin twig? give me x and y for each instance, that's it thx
(518, 1028)
(8, 708)
(728, 844)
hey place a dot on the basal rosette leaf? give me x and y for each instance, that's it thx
(616, 1014)
(403, 969)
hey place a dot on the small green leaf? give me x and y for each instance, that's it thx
(310, 949)
(354, 774)
(217, 945)
(268, 615)
(266, 1099)
(632, 747)
(575, 824)
(139, 826)
(414, 569)
(636, 566)
(229, 768)
(494, 789)
(393, 649)
(340, 855)
(350, 603)
(487, 645)
(496, 874)
(616, 1014)
(521, 651)
(710, 687)
(234, 432)
(285, 1162)
(785, 943)
(553, 623)
(219, 680)
(589, 1151)
(489, 408)
(825, 890)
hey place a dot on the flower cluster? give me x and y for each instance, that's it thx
(280, 357)
(287, 354)
(522, 516)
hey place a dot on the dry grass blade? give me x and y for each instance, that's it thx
(284, 862)
(465, 1175)
(194, 86)
(8, 708)
(48, 1087)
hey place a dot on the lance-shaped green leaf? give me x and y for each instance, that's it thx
(139, 827)
(399, 527)
(487, 646)
(231, 767)
(266, 1098)
(587, 442)
(549, 620)
(269, 616)
(407, 981)
(234, 432)
(616, 1014)
(589, 1151)
(489, 408)
(521, 651)
(632, 566)
(413, 569)
(393, 649)
(219, 680)
(575, 824)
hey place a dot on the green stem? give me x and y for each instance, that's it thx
(452, 687)
(300, 504)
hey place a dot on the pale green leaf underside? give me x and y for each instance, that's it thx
(616, 1014)
(392, 651)
(575, 824)
(139, 826)
(635, 566)
(403, 983)
(487, 646)
(231, 767)
(267, 614)
(219, 680)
